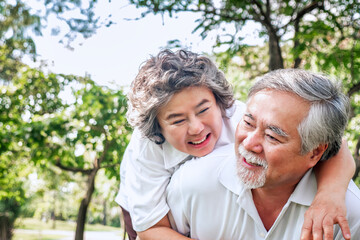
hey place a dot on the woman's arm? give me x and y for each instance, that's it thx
(328, 207)
(145, 183)
(161, 231)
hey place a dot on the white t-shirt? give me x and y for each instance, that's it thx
(147, 167)
(208, 201)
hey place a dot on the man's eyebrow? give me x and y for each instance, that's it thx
(249, 115)
(278, 131)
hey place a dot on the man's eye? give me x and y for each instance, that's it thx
(272, 138)
(247, 123)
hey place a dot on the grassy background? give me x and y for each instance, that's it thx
(25, 236)
(36, 224)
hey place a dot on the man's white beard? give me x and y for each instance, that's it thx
(251, 179)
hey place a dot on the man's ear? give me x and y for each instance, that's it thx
(318, 152)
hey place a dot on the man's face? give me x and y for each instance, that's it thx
(269, 142)
(191, 121)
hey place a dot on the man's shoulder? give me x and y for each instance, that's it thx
(202, 173)
(353, 201)
(208, 162)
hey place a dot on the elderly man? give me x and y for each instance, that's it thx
(293, 120)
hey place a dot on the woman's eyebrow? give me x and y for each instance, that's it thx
(173, 115)
(202, 102)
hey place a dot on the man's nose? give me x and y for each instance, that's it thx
(195, 126)
(252, 142)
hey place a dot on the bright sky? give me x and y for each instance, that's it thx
(113, 55)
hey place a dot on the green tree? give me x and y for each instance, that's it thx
(38, 126)
(89, 134)
(279, 21)
(28, 94)
(24, 98)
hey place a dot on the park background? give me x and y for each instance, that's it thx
(65, 67)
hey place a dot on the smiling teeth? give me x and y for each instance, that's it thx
(201, 141)
(251, 158)
(252, 163)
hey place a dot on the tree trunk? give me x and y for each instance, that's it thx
(104, 213)
(296, 43)
(5, 228)
(53, 219)
(80, 222)
(53, 214)
(276, 60)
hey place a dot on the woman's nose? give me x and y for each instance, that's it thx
(195, 126)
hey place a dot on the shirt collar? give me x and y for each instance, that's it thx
(228, 175)
(305, 190)
(303, 194)
(172, 156)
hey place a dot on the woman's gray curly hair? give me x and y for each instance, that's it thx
(163, 76)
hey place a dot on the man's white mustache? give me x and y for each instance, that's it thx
(251, 158)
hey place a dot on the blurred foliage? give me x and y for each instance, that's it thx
(302, 25)
(36, 124)
(53, 119)
(20, 100)
(38, 127)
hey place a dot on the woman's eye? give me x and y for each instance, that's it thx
(204, 110)
(178, 121)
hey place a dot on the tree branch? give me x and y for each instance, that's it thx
(110, 165)
(266, 21)
(104, 153)
(353, 89)
(305, 10)
(309, 8)
(72, 169)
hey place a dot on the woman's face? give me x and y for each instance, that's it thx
(191, 121)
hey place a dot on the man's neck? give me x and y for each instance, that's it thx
(270, 201)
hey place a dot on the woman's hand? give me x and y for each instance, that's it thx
(325, 211)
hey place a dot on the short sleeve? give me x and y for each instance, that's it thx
(146, 181)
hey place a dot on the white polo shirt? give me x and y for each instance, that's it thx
(208, 201)
(146, 169)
